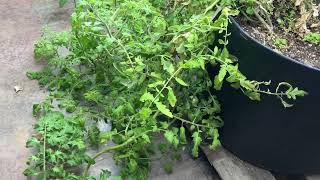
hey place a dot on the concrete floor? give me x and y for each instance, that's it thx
(21, 22)
(20, 26)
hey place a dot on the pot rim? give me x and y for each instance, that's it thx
(247, 36)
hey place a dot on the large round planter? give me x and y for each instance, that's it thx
(265, 133)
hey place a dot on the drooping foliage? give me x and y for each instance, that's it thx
(139, 65)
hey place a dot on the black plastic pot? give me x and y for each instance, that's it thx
(266, 134)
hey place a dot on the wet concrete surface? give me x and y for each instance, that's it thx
(21, 22)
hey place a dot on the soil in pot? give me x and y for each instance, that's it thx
(301, 43)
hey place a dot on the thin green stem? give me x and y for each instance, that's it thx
(44, 151)
(166, 84)
(189, 122)
(129, 123)
(269, 93)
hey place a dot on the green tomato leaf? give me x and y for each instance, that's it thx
(132, 165)
(253, 95)
(167, 66)
(171, 97)
(146, 97)
(181, 82)
(169, 135)
(196, 143)
(106, 136)
(247, 84)
(155, 84)
(224, 56)
(145, 113)
(217, 83)
(215, 141)
(146, 138)
(163, 109)
(32, 142)
(164, 125)
(222, 73)
(293, 93)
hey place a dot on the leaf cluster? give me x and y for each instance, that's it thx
(141, 66)
(61, 146)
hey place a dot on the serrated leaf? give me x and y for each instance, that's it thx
(218, 79)
(146, 138)
(156, 75)
(32, 142)
(215, 141)
(132, 165)
(145, 113)
(106, 136)
(196, 143)
(215, 51)
(171, 97)
(146, 97)
(34, 159)
(253, 95)
(155, 84)
(181, 82)
(225, 55)
(222, 73)
(57, 169)
(293, 93)
(246, 84)
(217, 83)
(195, 63)
(164, 125)
(163, 109)
(168, 66)
(171, 137)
